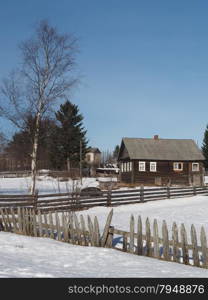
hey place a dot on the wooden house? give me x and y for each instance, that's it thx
(93, 160)
(156, 161)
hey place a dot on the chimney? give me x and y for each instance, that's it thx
(156, 137)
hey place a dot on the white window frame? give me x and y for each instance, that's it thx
(130, 166)
(153, 166)
(196, 164)
(176, 166)
(142, 166)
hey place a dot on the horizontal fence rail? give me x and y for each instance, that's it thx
(85, 200)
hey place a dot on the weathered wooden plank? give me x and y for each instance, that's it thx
(46, 232)
(51, 225)
(109, 242)
(29, 222)
(166, 254)
(4, 222)
(156, 251)
(168, 192)
(96, 237)
(148, 238)
(40, 224)
(176, 257)
(34, 223)
(8, 220)
(4, 219)
(26, 221)
(58, 227)
(131, 240)
(23, 221)
(13, 197)
(14, 221)
(66, 229)
(184, 247)
(90, 228)
(142, 193)
(195, 246)
(19, 219)
(78, 230)
(139, 250)
(124, 242)
(106, 229)
(83, 229)
(53, 195)
(203, 239)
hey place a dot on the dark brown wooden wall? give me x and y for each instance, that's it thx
(164, 171)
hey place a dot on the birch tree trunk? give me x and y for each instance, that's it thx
(34, 154)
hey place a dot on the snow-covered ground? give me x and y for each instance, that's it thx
(45, 184)
(22, 256)
(40, 257)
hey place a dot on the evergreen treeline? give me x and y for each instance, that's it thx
(62, 140)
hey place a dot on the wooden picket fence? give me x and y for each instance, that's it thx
(65, 226)
(146, 240)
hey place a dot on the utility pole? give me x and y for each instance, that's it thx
(80, 161)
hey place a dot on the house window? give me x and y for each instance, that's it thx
(153, 166)
(142, 166)
(122, 168)
(125, 167)
(195, 167)
(130, 166)
(177, 166)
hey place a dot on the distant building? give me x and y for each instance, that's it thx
(161, 161)
(93, 159)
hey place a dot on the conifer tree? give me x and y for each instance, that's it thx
(69, 137)
(205, 147)
(116, 152)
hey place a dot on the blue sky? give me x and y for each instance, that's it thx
(143, 64)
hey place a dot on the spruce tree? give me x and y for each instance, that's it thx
(205, 147)
(69, 136)
(116, 152)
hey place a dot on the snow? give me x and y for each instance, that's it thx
(22, 256)
(45, 184)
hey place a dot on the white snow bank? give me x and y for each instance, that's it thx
(44, 184)
(22, 256)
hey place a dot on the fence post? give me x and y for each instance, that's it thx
(36, 200)
(141, 193)
(168, 192)
(109, 241)
(109, 196)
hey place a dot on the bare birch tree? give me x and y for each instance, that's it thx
(48, 59)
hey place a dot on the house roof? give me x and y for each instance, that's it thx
(93, 150)
(162, 149)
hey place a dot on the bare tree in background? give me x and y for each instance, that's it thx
(45, 77)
